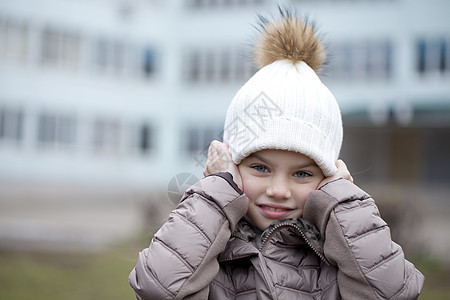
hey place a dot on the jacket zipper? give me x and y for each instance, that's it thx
(264, 241)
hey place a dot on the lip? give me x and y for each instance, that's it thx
(275, 211)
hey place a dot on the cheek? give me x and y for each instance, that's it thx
(251, 187)
(302, 195)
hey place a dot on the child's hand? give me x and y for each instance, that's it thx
(342, 172)
(219, 160)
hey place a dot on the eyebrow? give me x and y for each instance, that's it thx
(298, 166)
(258, 157)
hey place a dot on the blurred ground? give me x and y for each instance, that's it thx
(31, 275)
(68, 218)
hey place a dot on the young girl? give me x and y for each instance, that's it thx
(277, 215)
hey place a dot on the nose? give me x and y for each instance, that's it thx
(279, 189)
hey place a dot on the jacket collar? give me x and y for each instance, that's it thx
(248, 240)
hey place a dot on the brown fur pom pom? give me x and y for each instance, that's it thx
(289, 38)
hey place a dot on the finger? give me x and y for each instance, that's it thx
(209, 158)
(343, 170)
(340, 164)
(217, 160)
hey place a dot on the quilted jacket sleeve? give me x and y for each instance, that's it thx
(181, 260)
(358, 241)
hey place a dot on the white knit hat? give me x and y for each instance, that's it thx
(285, 105)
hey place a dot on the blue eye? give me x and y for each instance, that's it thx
(301, 174)
(260, 168)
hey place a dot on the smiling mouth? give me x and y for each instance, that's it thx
(273, 208)
(275, 212)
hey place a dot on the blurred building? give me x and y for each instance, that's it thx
(130, 93)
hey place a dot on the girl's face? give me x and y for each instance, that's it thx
(277, 183)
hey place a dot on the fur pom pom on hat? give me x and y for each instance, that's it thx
(291, 39)
(284, 105)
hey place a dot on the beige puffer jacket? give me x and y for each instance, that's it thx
(206, 250)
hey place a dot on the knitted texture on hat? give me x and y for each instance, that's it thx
(284, 105)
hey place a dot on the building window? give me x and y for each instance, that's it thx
(196, 140)
(225, 67)
(219, 65)
(379, 60)
(368, 60)
(145, 139)
(433, 56)
(11, 125)
(60, 48)
(194, 143)
(109, 56)
(149, 62)
(106, 137)
(13, 40)
(193, 67)
(56, 130)
(210, 65)
(200, 137)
